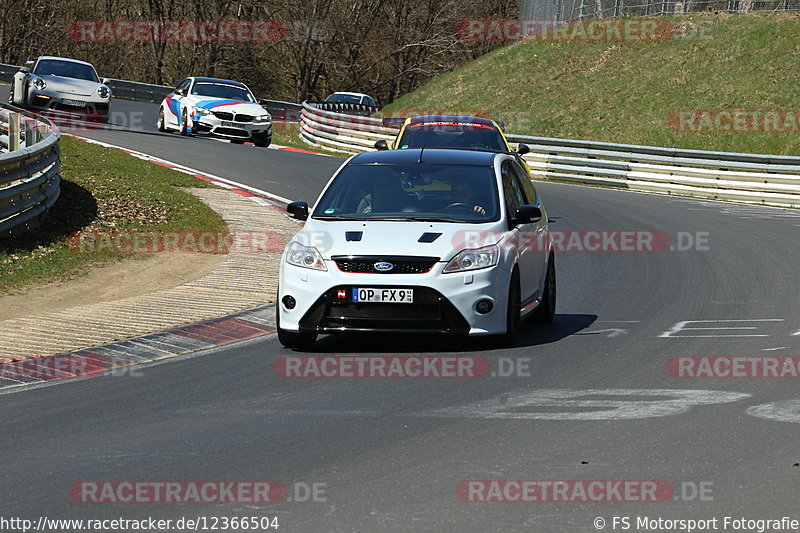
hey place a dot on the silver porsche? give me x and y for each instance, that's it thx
(62, 85)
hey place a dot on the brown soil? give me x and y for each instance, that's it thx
(110, 282)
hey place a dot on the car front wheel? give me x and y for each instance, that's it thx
(160, 124)
(546, 311)
(513, 318)
(262, 141)
(184, 123)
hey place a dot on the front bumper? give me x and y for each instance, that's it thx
(443, 303)
(94, 107)
(228, 129)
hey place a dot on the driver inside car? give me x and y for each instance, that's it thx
(387, 194)
(463, 193)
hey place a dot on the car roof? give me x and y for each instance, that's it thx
(452, 119)
(203, 79)
(350, 94)
(435, 156)
(66, 59)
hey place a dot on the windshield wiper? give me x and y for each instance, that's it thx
(421, 219)
(338, 217)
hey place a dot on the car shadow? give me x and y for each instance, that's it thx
(563, 326)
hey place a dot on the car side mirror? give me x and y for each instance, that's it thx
(180, 92)
(525, 214)
(29, 63)
(105, 81)
(298, 210)
(523, 149)
(24, 69)
(381, 145)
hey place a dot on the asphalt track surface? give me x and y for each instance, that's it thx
(391, 453)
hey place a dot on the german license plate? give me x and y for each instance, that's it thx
(384, 295)
(75, 103)
(226, 124)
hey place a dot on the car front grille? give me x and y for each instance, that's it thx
(233, 132)
(223, 115)
(400, 264)
(244, 118)
(430, 312)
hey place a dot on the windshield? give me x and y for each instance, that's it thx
(221, 90)
(345, 98)
(445, 193)
(66, 69)
(452, 135)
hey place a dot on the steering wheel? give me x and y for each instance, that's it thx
(459, 204)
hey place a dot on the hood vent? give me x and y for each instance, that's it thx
(429, 237)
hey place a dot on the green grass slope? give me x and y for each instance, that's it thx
(627, 91)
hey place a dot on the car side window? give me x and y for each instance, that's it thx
(512, 191)
(184, 86)
(527, 186)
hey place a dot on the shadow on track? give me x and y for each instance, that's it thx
(532, 335)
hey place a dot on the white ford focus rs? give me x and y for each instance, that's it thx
(419, 241)
(222, 108)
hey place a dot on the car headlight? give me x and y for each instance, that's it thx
(305, 256)
(103, 91)
(473, 259)
(264, 118)
(39, 84)
(202, 111)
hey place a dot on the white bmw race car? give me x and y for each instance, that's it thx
(62, 85)
(222, 108)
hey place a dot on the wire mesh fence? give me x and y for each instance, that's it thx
(601, 9)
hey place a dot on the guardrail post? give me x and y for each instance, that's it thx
(13, 132)
(30, 132)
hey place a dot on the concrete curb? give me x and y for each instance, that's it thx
(119, 355)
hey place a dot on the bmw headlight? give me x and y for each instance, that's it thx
(202, 111)
(264, 118)
(39, 84)
(474, 259)
(304, 256)
(103, 91)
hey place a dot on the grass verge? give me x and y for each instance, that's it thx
(102, 190)
(630, 92)
(288, 134)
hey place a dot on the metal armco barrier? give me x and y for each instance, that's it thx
(752, 178)
(29, 164)
(345, 132)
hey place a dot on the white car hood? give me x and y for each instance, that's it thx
(396, 238)
(69, 86)
(224, 104)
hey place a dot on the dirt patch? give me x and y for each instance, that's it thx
(110, 282)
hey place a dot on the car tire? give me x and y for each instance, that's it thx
(513, 317)
(546, 312)
(161, 124)
(184, 128)
(265, 143)
(291, 339)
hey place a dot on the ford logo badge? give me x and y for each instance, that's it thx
(383, 266)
